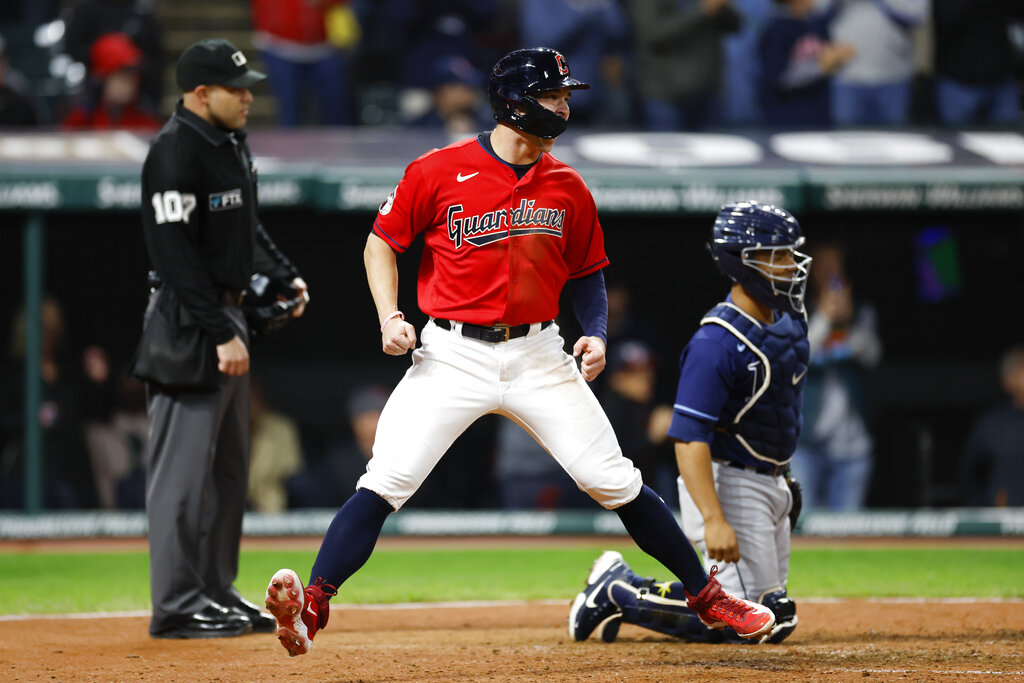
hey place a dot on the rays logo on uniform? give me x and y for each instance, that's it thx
(222, 201)
(758, 374)
(495, 225)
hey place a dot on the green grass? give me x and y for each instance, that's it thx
(73, 582)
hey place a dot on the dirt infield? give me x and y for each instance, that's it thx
(857, 640)
(836, 641)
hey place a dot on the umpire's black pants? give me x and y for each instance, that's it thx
(197, 470)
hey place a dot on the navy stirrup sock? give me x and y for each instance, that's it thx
(651, 524)
(350, 538)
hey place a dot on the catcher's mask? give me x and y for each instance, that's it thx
(745, 230)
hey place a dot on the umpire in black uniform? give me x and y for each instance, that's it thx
(205, 242)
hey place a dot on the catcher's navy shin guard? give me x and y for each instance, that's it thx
(784, 608)
(650, 607)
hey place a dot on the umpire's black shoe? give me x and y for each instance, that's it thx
(261, 621)
(213, 621)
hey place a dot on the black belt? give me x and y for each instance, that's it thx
(494, 334)
(232, 298)
(771, 471)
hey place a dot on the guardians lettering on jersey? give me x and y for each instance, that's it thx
(493, 226)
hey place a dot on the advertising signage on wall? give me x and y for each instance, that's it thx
(631, 173)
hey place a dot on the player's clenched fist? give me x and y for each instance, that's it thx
(397, 337)
(593, 360)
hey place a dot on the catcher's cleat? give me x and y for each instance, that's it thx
(300, 613)
(718, 609)
(785, 616)
(593, 609)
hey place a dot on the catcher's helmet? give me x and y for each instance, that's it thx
(517, 77)
(742, 228)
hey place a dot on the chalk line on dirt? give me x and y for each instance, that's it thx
(473, 604)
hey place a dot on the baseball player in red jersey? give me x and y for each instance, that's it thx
(505, 227)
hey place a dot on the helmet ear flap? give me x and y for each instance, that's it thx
(534, 119)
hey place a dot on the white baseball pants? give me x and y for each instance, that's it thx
(455, 380)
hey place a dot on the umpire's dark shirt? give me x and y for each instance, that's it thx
(199, 216)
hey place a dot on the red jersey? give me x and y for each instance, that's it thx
(497, 249)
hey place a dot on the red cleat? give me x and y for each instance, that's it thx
(300, 613)
(717, 609)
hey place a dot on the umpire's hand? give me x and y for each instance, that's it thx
(233, 357)
(593, 361)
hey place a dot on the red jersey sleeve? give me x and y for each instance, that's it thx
(584, 252)
(407, 210)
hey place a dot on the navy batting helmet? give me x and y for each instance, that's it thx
(744, 228)
(517, 77)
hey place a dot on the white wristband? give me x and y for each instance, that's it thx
(396, 314)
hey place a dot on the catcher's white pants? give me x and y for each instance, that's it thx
(757, 507)
(454, 381)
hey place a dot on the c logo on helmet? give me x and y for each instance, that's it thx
(563, 68)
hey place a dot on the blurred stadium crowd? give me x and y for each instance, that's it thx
(654, 64)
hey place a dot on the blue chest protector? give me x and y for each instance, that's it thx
(764, 417)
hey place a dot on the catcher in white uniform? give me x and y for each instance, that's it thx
(736, 420)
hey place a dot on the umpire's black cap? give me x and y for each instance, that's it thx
(215, 61)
